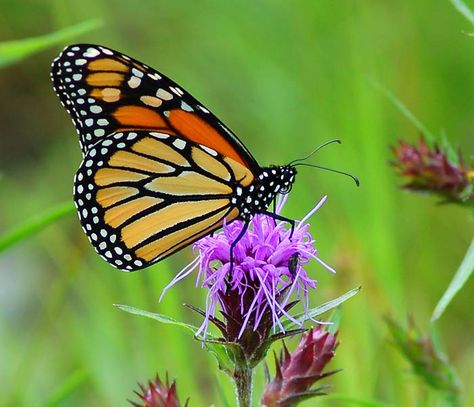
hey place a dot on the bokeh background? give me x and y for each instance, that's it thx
(285, 76)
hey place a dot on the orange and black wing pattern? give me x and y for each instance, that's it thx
(142, 195)
(159, 170)
(105, 91)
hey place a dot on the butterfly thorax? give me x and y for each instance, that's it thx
(256, 197)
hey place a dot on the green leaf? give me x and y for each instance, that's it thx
(220, 350)
(72, 382)
(14, 51)
(462, 7)
(335, 321)
(314, 312)
(158, 317)
(460, 277)
(34, 224)
(403, 109)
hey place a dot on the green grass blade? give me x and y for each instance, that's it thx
(464, 10)
(34, 224)
(403, 109)
(460, 277)
(14, 51)
(72, 382)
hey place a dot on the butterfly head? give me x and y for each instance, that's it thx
(287, 178)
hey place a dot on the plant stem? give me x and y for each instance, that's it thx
(243, 384)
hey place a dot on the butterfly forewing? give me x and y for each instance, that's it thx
(105, 91)
(143, 195)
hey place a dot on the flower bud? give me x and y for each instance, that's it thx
(431, 170)
(296, 372)
(158, 394)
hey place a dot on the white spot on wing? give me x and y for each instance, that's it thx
(134, 82)
(136, 72)
(91, 53)
(159, 135)
(209, 150)
(95, 109)
(186, 107)
(164, 94)
(180, 144)
(106, 51)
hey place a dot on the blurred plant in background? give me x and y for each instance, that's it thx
(430, 170)
(443, 173)
(428, 363)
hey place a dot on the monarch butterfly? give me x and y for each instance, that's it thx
(159, 170)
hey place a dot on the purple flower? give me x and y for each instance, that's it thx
(267, 272)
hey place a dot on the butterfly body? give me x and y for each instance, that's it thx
(159, 171)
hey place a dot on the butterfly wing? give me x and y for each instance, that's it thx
(105, 91)
(141, 195)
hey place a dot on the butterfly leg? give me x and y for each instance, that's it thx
(275, 216)
(234, 243)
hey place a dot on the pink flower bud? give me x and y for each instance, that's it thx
(296, 372)
(158, 394)
(432, 170)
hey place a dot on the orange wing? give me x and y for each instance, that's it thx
(105, 91)
(141, 195)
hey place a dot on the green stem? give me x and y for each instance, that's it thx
(243, 384)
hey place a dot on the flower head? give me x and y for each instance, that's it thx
(267, 268)
(296, 372)
(266, 278)
(158, 394)
(431, 170)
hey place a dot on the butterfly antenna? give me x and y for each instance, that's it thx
(316, 150)
(356, 180)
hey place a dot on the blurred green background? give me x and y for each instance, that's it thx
(285, 76)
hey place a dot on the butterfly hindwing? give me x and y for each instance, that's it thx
(143, 195)
(105, 91)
